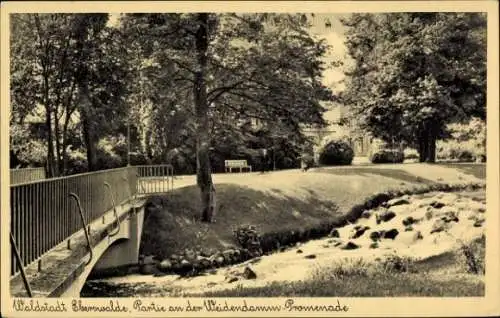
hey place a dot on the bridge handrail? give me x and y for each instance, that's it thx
(43, 216)
(19, 261)
(26, 175)
(84, 226)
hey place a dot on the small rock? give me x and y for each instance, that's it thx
(439, 226)
(159, 274)
(149, 259)
(358, 231)
(437, 204)
(374, 245)
(450, 216)
(409, 228)
(334, 233)
(386, 216)
(417, 236)
(391, 234)
(397, 201)
(248, 273)
(409, 221)
(325, 246)
(350, 246)
(366, 214)
(165, 265)
(310, 256)
(282, 248)
(299, 251)
(219, 260)
(478, 222)
(429, 214)
(231, 279)
(375, 236)
(148, 269)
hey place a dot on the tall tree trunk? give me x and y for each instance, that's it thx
(431, 141)
(422, 145)
(58, 161)
(50, 143)
(48, 123)
(203, 169)
(89, 136)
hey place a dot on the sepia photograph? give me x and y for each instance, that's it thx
(220, 155)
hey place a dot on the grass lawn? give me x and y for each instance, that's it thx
(278, 201)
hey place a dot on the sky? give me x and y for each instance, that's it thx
(333, 34)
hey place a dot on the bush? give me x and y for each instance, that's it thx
(336, 152)
(455, 151)
(387, 156)
(410, 153)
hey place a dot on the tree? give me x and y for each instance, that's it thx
(413, 73)
(71, 70)
(230, 68)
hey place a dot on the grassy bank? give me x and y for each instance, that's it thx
(281, 201)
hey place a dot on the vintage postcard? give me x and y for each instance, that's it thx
(249, 158)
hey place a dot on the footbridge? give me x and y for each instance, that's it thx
(64, 228)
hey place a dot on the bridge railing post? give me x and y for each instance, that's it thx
(84, 225)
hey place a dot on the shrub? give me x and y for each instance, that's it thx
(336, 152)
(248, 237)
(398, 264)
(387, 156)
(473, 255)
(410, 153)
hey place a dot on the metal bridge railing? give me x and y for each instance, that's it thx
(26, 175)
(43, 215)
(155, 179)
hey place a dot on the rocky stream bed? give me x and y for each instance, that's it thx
(417, 226)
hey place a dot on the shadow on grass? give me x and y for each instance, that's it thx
(477, 170)
(398, 174)
(175, 224)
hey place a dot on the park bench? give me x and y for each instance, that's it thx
(241, 164)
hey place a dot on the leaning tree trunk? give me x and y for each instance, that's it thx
(203, 169)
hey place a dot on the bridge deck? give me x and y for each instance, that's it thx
(60, 266)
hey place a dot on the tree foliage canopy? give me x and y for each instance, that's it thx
(413, 73)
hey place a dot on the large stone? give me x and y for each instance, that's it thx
(334, 233)
(397, 201)
(219, 260)
(165, 265)
(349, 246)
(310, 256)
(385, 216)
(248, 273)
(391, 234)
